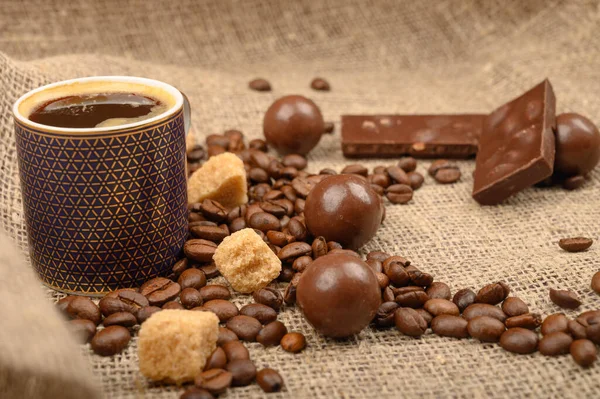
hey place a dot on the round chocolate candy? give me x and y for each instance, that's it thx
(344, 209)
(338, 294)
(293, 124)
(577, 145)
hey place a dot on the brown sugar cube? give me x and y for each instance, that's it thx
(173, 345)
(246, 261)
(222, 178)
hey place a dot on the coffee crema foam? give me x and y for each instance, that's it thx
(62, 106)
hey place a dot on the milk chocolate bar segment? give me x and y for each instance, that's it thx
(516, 148)
(422, 136)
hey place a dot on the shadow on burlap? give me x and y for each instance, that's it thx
(380, 57)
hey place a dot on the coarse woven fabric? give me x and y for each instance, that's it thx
(380, 57)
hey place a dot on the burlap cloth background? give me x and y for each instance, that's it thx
(380, 57)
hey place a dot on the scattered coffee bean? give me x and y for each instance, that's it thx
(172, 305)
(269, 380)
(575, 244)
(215, 381)
(224, 309)
(124, 319)
(441, 306)
(294, 250)
(190, 298)
(196, 393)
(584, 352)
(295, 160)
(235, 350)
(573, 182)
(398, 175)
(210, 271)
(592, 331)
(144, 313)
(320, 84)
(483, 309)
(271, 334)
(160, 290)
(180, 266)
(399, 193)
(519, 340)
(564, 299)
(286, 275)
(439, 290)
(122, 301)
(214, 291)
(596, 283)
(199, 250)
(388, 295)
(301, 263)
(319, 247)
(385, 314)
(216, 360)
(382, 280)
(259, 84)
(447, 175)
(557, 322)
(82, 329)
(196, 154)
(355, 169)
(463, 298)
(378, 255)
(416, 180)
(64, 302)
(213, 211)
(211, 233)
(83, 308)
(293, 342)
(245, 327)
(111, 340)
(258, 144)
(408, 164)
(554, 344)
(492, 294)
(425, 315)
(260, 312)
(192, 278)
(588, 316)
(270, 297)
(409, 322)
(419, 278)
(329, 127)
(412, 299)
(514, 306)
(485, 328)
(243, 372)
(217, 139)
(450, 326)
(576, 329)
(531, 321)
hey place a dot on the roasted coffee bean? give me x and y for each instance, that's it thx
(124, 319)
(302, 186)
(301, 263)
(192, 278)
(403, 290)
(327, 172)
(412, 299)
(576, 329)
(531, 321)
(130, 296)
(237, 212)
(235, 350)
(214, 291)
(592, 331)
(564, 299)
(269, 380)
(441, 306)
(258, 175)
(268, 296)
(245, 327)
(286, 275)
(111, 340)
(439, 290)
(491, 294)
(180, 266)
(298, 229)
(398, 175)
(264, 222)
(382, 280)
(289, 172)
(194, 392)
(557, 322)
(271, 333)
(293, 342)
(295, 160)
(279, 238)
(376, 265)
(199, 250)
(385, 314)
(399, 193)
(294, 250)
(329, 127)
(259, 85)
(213, 150)
(289, 193)
(355, 169)
(274, 169)
(224, 309)
(260, 312)
(588, 316)
(378, 255)
(575, 244)
(237, 225)
(213, 211)
(215, 381)
(289, 295)
(388, 295)
(419, 278)
(258, 144)
(554, 344)
(584, 352)
(144, 313)
(407, 164)
(425, 315)
(416, 180)
(483, 309)
(226, 335)
(596, 283)
(196, 154)
(485, 328)
(464, 298)
(172, 305)
(64, 302)
(299, 205)
(519, 340)
(217, 139)
(319, 247)
(320, 84)
(378, 190)
(190, 298)
(331, 245)
(243, 372)
(409, 322)
(573, 182)
(210, 270)
(210, 233)
(109, 305)
(447, 175)
(160, 290)
(449, 326)
(396, 273)
(216, 360)
(379, 179)
(514, 306)
(83, 308)
(82, 329)
(259, 159)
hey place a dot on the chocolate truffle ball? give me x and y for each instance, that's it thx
(345, 209)
(338, 295)
(293, 124)
(577, 145)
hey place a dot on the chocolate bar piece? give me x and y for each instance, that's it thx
(422, 136)
(516, 147)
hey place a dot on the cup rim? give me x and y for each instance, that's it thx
(107, 129)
